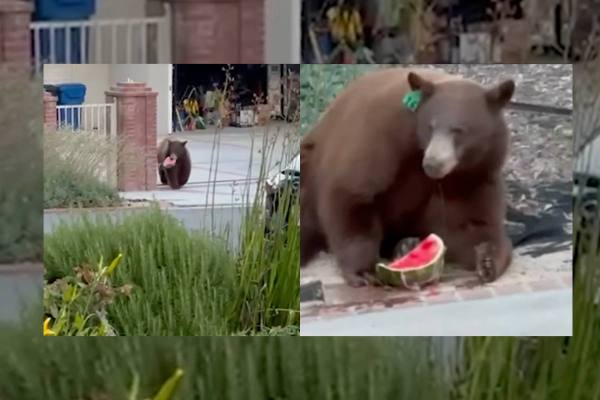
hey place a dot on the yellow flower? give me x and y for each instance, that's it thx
(114, 264)
(47, 330)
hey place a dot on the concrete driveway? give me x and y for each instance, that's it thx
(547, 313)
(237, 154)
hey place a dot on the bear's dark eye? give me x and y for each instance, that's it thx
(457, 130)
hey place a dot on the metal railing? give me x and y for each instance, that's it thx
(102, 41)
(93, 118)
(99, 118)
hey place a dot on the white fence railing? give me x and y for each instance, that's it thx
(102, 41)
(100, 118)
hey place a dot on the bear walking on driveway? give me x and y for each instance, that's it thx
(376, 169)
(174, 163)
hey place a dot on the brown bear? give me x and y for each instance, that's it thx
(174, 163)
(375, 171)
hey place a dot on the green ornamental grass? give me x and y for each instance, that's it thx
(21, 170)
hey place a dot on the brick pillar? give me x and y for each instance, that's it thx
(15, 38)
(218, 31)
(50, 123)
(136, 131)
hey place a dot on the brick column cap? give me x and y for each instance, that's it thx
(48, 97)
(130, 89)
(15, 6)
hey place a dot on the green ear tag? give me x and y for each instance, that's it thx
(412, 100)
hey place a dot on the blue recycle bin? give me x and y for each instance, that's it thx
(70, 94)
(64, 10)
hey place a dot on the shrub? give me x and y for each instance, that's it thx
(21, 165)
(78, 303)
(182, 282)
(78, 170)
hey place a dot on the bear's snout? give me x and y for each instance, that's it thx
(435, 169)
(440, 156)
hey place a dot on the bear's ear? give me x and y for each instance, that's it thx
(184, 142)
(499, 95)
(417, 82)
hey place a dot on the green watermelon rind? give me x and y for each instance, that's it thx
(413, 278)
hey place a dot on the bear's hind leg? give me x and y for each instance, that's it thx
(173, 178)
(163, 176)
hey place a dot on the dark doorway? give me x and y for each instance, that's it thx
(248, 86)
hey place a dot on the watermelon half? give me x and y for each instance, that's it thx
(420, 266)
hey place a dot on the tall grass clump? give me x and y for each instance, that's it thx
(21, 169)
(267, 290)
(234, 368)
(182, 281)
(79, 170)
(548, 368)
(266, 297)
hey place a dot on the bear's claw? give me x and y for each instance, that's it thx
(362, 279)
(485, 265)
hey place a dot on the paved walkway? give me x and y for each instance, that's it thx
(530, 285)
(545, 313)
(234, 180)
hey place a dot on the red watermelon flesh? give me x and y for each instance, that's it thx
(169, 162)
(427, 252)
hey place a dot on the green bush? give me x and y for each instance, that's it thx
(186, 283)
(228, 368)
(21, 165)
(74, 163)
(64, 187)
(183, 282)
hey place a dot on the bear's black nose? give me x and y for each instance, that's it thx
(434, 169)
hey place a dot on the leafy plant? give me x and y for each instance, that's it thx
(183, 281)
(78, 303)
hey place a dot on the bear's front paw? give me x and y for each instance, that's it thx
(485, 263)
(361, 279)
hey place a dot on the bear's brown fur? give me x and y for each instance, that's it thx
(374, 172)
(178, 174)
